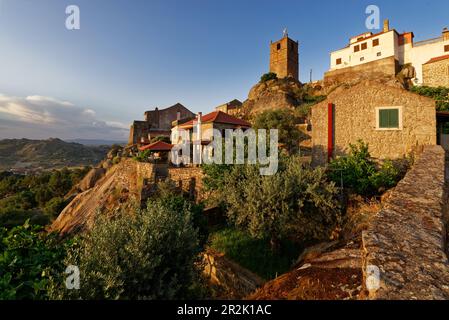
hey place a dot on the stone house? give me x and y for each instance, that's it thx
(436, 72)
(199, 130)
(393, 121)
(158, 122)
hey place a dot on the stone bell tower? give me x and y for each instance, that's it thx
(284, 57)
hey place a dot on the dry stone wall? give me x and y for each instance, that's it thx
(406, 239)
(436, 74)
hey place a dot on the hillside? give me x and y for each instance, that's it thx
(35, 155)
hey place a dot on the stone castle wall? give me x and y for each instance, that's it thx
(436, 74)
(406, 239)
(355, 118)
(387, 67)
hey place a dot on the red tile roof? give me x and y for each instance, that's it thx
(219, 117)
(157, 146)
(438, 59)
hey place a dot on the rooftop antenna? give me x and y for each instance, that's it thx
(285, 32)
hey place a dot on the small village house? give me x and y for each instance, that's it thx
(393, 121)
(199, 130)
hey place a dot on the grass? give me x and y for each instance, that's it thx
(254, 254)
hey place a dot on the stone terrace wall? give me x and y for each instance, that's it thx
(190, 179)
(406, 239)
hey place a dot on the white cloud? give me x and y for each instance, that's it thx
(37, 116)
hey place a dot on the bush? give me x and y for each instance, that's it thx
(361, 174)
(439, 94)
(28, 260)
(143, 156)
(150, 255)
(283, 120)
(294, 203)
(268, 76)
(54, 207)
(160, 138)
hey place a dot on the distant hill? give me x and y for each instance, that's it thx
(93, 142)
(35, 155)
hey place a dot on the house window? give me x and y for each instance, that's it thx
(389, 118)
(446, 48)
(364, 46)
(379, 54)
(339, 61)
(375, 42)
(362, 59)
(278, 46)
(356, 48)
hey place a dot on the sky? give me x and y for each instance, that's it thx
(130, 56)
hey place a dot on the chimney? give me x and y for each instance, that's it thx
(445, 34)
(386, 25)
(178, 115)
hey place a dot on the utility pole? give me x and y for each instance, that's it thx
(311, 75)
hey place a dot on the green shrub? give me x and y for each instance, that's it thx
(361, 174)
(295, 202)
(28, 260)
(54, 207)
(143, 156)
(268, 76)
(284, 120)
(149, 255)
(439, 94)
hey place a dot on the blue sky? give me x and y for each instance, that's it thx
(131, 56)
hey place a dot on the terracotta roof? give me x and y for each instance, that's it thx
(157, 146)
(219, 117)
(438, 59)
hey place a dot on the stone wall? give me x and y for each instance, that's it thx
(436, 74)
(190, 179)
(355, 118)
(406, 239)
(234, 281)
(284, 58)
(379, 68)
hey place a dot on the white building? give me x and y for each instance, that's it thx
(369, 47)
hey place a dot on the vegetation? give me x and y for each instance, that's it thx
(39, 198)
(161, 138)
(284, 120)
(29, 259)
(143, 156)
(296, 203)
(439, 94)
(150, 255)
(254, 254)
(268, 76)
(360, 174)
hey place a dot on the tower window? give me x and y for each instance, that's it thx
(278, 46)
(362, 59)
(338, 61)
(356, 48)
(375, 42)
(379, 54)
(446, 48)
(364, 46)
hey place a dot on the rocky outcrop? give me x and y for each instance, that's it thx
(120, 188)
(404, 245)
(91, 178)
(273, 94)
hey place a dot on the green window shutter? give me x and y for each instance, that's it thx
(383, 118)
(389, 118)
(393, 118)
